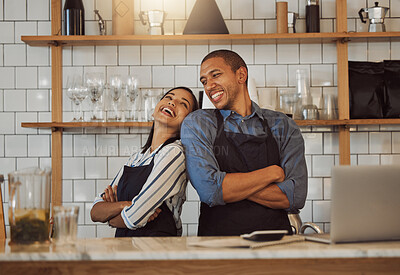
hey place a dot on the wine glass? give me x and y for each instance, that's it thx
(95, 84)
(115, 93)
(132, 92)
(151, 99)
(77, 92)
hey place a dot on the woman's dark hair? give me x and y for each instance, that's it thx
(194, 108)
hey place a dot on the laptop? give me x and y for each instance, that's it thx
(365, 204)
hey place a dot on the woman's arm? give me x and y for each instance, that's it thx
(104, 211)
(110, 207)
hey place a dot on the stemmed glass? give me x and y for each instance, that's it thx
(77, 92)
(95, 84)
(115, 92)
(132, 92)
(151, 98)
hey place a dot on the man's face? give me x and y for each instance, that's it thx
(220, 83)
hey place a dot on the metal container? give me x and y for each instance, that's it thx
(292, 16)
(155, 18)
(376, 16)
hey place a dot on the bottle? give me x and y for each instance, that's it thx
(312, 16)
(74, 17)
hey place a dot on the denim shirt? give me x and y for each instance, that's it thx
(198, 133)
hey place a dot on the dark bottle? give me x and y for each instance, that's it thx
(74, 17)
(312, 16)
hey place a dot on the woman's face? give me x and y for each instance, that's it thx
(173, 108)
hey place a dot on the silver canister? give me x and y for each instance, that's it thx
(292, 16)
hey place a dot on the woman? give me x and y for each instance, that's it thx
(146, 196)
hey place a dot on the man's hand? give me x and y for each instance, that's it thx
(110, 194)
(155, 215)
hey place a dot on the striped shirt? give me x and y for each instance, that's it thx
(166, 182)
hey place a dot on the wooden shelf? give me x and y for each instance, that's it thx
(101, 40)
(84, 124)
(268, 38)
(149, 124)
(347, 122)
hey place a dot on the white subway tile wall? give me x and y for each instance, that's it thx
(92, 157)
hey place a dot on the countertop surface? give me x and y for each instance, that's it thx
(181, 248)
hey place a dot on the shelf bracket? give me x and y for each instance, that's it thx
(55, 43)
(56, 129)
(344, 40)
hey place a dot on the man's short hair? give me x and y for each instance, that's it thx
(231, 58)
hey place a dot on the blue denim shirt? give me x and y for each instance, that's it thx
(198, 133)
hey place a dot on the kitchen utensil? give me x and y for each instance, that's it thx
(155, 18)
(102, 23)
(376, 16)
(299, 227)
(65, 224)
(29, 205)
(292, 16)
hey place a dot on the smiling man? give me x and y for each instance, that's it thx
(246, 163)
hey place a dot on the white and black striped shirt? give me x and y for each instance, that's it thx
(167, 182)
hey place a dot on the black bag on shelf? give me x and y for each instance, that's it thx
(391, 107)
(366, 89)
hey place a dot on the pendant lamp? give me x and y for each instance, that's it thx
(205, 18)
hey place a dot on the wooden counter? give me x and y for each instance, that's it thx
(176, 256)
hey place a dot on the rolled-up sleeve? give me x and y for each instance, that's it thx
(293, 163)
(198, 132)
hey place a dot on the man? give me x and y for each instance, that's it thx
(246, 163)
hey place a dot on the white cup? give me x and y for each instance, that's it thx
(65, 224)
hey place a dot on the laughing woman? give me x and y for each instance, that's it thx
(146, 196)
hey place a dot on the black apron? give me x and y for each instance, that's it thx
(235, 153)
(129, 185)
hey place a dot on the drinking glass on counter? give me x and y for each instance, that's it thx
(65, 224)
(95, 83)
(76, 92)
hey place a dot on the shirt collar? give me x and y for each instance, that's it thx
(255, 111)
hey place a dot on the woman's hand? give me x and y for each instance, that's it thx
(110, 194)
(155, 215)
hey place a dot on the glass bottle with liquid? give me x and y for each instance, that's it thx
(74, 17)
(312, 16)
